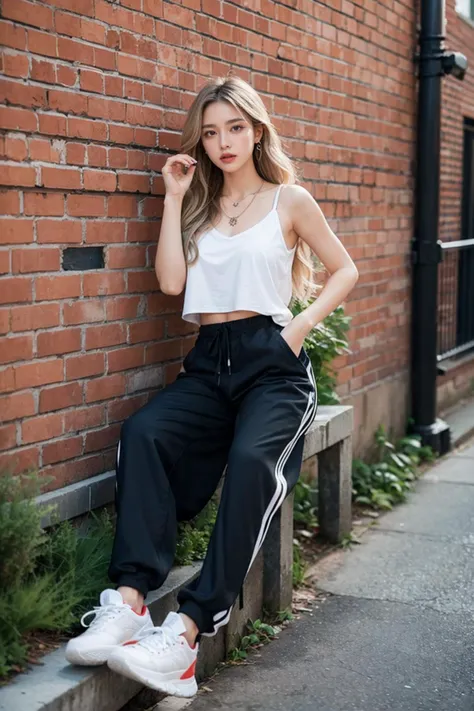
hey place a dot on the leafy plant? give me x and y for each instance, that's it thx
(303, 508)
(79, 559)
(326, 341)
(348, 540)
(47, 578)
(299, 565)
(193, 536)
(388, 480)
(21, 536)
(38, 603)
(260, 633)
(284, 616)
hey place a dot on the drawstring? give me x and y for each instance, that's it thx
(222, 333)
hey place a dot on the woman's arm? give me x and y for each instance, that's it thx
(170, 264)
(311, 225)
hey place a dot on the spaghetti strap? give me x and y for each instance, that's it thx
(275, 199)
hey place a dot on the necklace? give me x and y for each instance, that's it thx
(233, 220)
(237, 202)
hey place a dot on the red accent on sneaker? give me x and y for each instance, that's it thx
(130, 641)
(189, 672)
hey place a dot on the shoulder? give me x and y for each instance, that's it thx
(296, 194)
(296, 200)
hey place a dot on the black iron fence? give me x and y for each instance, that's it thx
(456, 299)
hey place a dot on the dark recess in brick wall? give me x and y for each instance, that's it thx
(83, 258)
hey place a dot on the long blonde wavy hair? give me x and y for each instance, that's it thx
(200, 204)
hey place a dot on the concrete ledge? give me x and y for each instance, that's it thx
(332, 424)
(77, 499)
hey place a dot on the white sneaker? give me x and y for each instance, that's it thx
(114, 624)
(161, 659)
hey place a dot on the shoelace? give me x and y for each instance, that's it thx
(103, 614)
(157, 639)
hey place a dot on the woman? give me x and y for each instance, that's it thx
(238, 235)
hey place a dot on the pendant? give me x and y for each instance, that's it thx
(232, 221)
(235, 204)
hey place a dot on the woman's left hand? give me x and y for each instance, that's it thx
(295, 333)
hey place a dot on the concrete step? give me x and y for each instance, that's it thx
(461, 421)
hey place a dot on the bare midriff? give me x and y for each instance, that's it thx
(207, 319)
(223, 318)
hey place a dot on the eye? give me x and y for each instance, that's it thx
(208, 133)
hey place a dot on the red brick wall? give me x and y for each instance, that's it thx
(94, 97)
(457, 104)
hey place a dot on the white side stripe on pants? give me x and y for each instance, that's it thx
(221, 618)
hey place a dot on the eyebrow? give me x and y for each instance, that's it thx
(212, 125)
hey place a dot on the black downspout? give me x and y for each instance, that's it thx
(433, 64)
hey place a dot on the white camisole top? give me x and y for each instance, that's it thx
(248, 271)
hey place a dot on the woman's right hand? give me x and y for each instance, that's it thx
(178, 173)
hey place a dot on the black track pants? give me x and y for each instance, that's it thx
(245, 400)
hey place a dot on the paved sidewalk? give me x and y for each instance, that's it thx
(396, 632)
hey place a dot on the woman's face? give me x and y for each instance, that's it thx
(225, 130)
